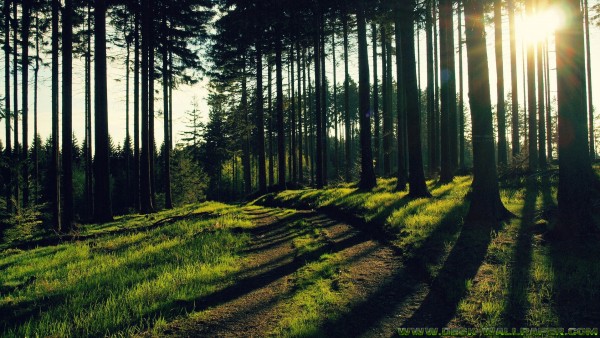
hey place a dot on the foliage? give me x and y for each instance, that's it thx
(189, 182)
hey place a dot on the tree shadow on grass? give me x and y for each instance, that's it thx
(385, 301)
(518, 304)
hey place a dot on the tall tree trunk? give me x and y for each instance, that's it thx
(548, 104)
(167, 113)
(431, 123)
(461, 102)
(246, 130)
(89, 183)
(336, 152)
(416, 179)
(575, 173)
(376, 117)
(127, 143)
(260, 121)
(16, 149)
(367, 174)
(136, 110)
(486, 206)
(36, 144)
(25, 27)
(500, 109)
(387, 114)
(54, 161)
(402, 175)
(279, 108)
(541, 108)
(103, 209)
(324, 104)
(347, 130)
(270, 122)
(448, 97)
(301, 108)
(146, 205)
(152, 141)
(531, 92)
(436, 86)
(7, 111)
(590, 103)
(293, 149)
(320, 182)
(67, 115)
(516, 145)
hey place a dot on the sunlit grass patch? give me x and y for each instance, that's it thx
(119, 284)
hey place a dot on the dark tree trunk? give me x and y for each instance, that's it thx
(461, 101)
(531, 92)
(387, 114)
(347, 130)
(89, 183)
(336, 155)
(146, 205)
(324, 105)
(376, 118)
(293, 137)
(271, 123)
(416, 179)
(402, 175)
(300, 110)
(541, 108)
(590, 102)
(367, 174)
(548, 105)
(67, 115)
(136, 111)
(167, 113)
(260, 121)
(279, 108)
(500, 109)
(516, 146)
(486, 206)
(103, 209)
(575, 174)
(152, 141)
(246, 133)
(16, 149)
(25, 27)
(320, 182)
(7, 111)
(431, 123)
(53, 171)
(448, 94)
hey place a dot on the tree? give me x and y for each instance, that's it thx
(367, 174)
(500, 110)
(532, 104)
(575, 172)
(448, 92)
(7, 112)
(260, 121)
(67, 115)
(516, 148)
(486, 205)
(103, 208)
(402, 175)
(416, 179)
(347, 130)
(25, 27)
(146, 205)
(54, 162)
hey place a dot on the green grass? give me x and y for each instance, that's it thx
(120, 284)
(523, 281)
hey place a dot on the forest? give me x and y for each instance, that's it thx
(344, 168)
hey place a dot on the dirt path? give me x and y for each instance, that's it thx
(382, 297)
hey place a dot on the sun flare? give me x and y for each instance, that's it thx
(542, 24)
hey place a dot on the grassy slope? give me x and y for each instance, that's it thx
(122, 283)
(520, 281)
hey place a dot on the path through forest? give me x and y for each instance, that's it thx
(380, 295)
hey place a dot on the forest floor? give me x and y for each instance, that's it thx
(334, 262)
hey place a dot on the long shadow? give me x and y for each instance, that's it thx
(403, 283)
(518, 304)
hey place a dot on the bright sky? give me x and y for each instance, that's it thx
(183, 96)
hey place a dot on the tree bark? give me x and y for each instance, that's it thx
(146, 205)
(448, 97)
(367, 174)
(486, 206)
(25, 27)
(166, 115)
(531, 92)
(516, 146)
(431, 123)
(402, 174)
(376, 118)
(575, 171)
(7, 110)
(590, 103)
(67, 115)
(54, 161)
(103, 209)
(260, 121)
(320, 182)
(279, 108)
(500, 109)
(347, 130)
